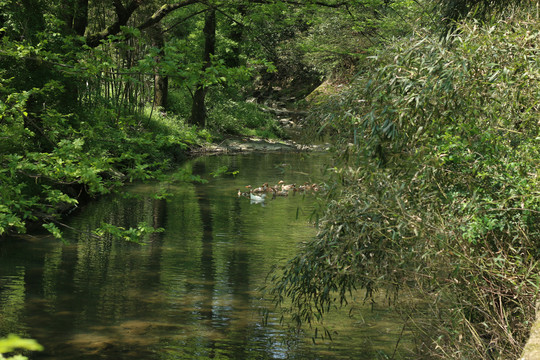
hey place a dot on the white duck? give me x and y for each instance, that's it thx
(256, 198)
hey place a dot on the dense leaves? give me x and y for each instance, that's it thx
(438, 188)
(81, 115)
(458, 9)
(440, 194)
(13, 343)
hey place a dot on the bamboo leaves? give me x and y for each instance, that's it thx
(455, 211)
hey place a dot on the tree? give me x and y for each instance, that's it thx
(453, 10)
(74, 13)
(125, 13)
(198, 109)
(161, 82)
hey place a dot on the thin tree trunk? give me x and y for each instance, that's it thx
(161, 82)
(198, 109)
(161, 90)
(80, 17)
(74, 13)
(237, 32)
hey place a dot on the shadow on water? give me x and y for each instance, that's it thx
(190, 292)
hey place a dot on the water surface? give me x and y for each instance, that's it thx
(191, 292)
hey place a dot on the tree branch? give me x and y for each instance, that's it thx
(164, 11)
(298, 3)
(119, 6)
(184, 19)
(124, 14)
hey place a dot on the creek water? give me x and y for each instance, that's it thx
(190, 292)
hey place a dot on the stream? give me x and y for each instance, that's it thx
(191, 291)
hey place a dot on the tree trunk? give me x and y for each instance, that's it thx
(34, 21)
(161, 90)
(161, 82)
(80, 17)
(198, 109)
(236, 34)
(74, 13)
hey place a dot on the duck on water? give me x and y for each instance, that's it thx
(258, 194)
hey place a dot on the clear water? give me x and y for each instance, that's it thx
(191, 292)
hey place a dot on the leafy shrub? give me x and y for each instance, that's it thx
(95, 157)
(242, 118)
(440, 195)
(14, 342)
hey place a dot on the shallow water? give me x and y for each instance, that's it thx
(191, 292)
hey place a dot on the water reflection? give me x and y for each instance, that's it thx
(188, 293)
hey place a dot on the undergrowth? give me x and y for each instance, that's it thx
(91, 156)
(440, 194)
(228, 113)
(94, 152)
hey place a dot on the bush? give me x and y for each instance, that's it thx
(104, 150)
(441, 195)
(242, 118)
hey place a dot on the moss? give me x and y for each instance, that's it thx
(323, 92)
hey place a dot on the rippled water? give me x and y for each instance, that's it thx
(191, 292)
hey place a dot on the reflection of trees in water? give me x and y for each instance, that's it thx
(224, 214)
(108, 269)
(12, 301)
(69, 288)
(188, 284)
(207, 255)
(237, 272)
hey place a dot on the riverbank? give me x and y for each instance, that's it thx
(248, 144)
(531, 351)
(111, 173)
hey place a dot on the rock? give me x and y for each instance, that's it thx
(238, 145)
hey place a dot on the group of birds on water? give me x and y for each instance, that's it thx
(280, 189)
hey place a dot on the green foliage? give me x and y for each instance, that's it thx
(92, 160)
(54, 230)
(14, 342)
(441, 193)
(242, 118)
(338, 39)
(136, 235)
(223, 170)
(453, 10)
(77, 119)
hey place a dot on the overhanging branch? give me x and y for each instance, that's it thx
(124, 14)
(300, 3)
(164, 11)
